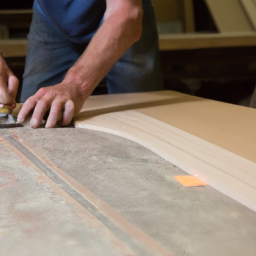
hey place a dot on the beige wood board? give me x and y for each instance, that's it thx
(102, 104)
(229, 16)
(11, 12)
(213, 140)
(250, 7)
(18, 48)
(14, 48)
(201, 41)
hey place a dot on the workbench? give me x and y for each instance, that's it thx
(78, 192)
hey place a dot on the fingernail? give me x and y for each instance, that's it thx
(47, 126)
(20, 120)
(33, 122)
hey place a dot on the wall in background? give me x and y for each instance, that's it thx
(168, 10)
(16, 4)
(174, 16)
(170, 16)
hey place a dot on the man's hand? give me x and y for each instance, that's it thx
(8, 83)
(65, 99)
(121, 28)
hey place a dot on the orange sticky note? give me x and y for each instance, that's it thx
(189, 181)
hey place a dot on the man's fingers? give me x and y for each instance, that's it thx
(41, 108)
(13, 85)
(54, 98)
(26, 108)
(55, 113)
(68, 112)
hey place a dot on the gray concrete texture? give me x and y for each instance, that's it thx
(39, 218)
(138, 184)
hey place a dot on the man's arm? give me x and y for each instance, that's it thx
(121, 28)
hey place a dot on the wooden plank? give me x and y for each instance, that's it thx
(229, 16)
(200, 41)
(14, 12)
(18, 48)
(250, 7)
(189, 18)
(214, 141)
(14, 48)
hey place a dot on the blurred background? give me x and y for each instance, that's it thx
(207, 47)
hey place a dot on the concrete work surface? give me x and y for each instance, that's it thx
(79, 192)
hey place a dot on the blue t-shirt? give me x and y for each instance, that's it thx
(78, 20)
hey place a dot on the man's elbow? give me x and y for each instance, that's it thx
(133, 18)
(136, 20)
(137, 32)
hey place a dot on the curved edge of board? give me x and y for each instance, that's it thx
(223, 170)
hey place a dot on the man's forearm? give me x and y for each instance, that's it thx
(118, 32)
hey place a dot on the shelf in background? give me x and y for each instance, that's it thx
(18, 48)
(11, 12)
(14, 48)
(16, 19)
(169, 42)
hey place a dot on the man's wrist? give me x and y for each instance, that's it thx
(76, 77)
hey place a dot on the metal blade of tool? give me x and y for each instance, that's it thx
(8, 118)
(8, 115)
(8, 121)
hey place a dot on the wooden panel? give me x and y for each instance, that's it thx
(216, 122)
(197, 41)
(18, 48)
(11, 12)
(189, 16)
(168, 10)
(229, 15)
(14, 48)
(212, 140)
(250, 7)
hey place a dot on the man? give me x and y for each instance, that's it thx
(73, 45)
